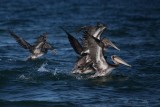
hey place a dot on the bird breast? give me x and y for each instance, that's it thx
(37, 51)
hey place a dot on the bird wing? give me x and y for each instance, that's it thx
(95, 47)
(20, 41)
(88, 41)
(42, 38)
(47, 46)
(74, 43)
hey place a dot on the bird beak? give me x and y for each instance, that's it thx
(112, 45)
(54, 51)
(104, 28)
(120, 61)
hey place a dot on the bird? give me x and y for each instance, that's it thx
(101, 66)
(38, 49)
(84, 63)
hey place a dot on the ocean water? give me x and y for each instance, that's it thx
(133, 25)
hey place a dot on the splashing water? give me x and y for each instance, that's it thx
(42, 68)
(23, 77)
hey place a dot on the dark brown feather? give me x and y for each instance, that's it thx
(42, 38)
(74, 43)
(48, 46)
(20, 41)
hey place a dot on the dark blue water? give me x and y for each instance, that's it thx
(133, 25)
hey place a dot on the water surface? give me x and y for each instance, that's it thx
(132, 25)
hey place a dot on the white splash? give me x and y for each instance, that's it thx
(42, 68)
(23, 77)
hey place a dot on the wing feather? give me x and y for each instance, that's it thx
(74, 43)
(20, 41)
(42, 38)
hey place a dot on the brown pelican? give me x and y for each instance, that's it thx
(40, 47)
(100, 65)
(84, 64)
